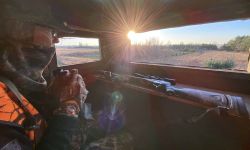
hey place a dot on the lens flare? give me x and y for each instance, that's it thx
(116, 97)
(112, 117)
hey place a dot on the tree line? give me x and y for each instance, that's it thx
(240, 43)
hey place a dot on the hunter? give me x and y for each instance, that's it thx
(27, 38)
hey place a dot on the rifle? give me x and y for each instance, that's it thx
(231, 105)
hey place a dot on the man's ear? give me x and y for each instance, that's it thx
(248, 66)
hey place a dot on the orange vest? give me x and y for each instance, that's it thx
(11, 114)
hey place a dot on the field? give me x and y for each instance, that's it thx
(71, 56)
(193, 58)
(68, 56)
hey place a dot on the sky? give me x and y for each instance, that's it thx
(74, 41)
(212, 33)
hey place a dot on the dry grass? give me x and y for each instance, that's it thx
(69, 56)
(197, 58)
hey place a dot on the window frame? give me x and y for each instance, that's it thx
(245, 70)
(87, 63)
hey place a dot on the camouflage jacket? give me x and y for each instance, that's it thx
(60, 132)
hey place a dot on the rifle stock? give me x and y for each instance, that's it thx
(233, 105)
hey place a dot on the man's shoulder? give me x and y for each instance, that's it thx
(10, 111)
(5, 97)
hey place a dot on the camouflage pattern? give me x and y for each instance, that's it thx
(32, 11)
(14, 30)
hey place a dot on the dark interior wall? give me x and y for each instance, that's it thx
(175, 130)
(159, 123)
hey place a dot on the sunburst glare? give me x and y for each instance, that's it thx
(121, 16)
(131, 35)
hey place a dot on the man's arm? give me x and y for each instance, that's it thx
(64, 129)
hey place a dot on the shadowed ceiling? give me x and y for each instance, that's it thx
(145, 15)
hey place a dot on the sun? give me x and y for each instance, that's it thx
(131, 35)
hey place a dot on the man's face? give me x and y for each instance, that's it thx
(41, 50)
(30, 50)
(34, 54)
(38, 52)
(44, 37)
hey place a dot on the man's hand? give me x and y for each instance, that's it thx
(68, 88)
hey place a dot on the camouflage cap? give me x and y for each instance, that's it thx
(34, 11)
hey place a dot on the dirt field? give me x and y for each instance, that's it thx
(190, 58)
(71, 56)
(66, 56)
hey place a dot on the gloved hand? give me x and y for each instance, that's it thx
(68, 88)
